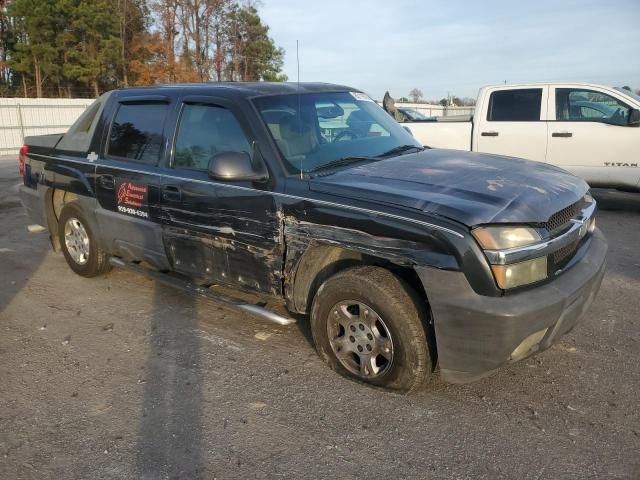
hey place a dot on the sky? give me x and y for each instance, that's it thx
(456, 46)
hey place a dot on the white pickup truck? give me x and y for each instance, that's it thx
(589, 130)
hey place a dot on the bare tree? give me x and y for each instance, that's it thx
(198, 17)
(167, 12)
(131, 21)
(219, 33)
(416, 95)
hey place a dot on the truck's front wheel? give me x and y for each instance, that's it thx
(79, 245)
(368, 324)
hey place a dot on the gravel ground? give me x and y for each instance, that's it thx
(120, 377)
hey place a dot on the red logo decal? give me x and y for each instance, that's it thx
(132, 195)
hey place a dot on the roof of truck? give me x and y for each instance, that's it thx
(542, 84)
(251, 89)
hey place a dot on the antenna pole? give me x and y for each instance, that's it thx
(298, 61)
(298, 88)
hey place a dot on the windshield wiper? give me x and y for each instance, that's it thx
(399, 149)
(358, 158)
(341, 162)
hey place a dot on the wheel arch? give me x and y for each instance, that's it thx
(316, 251)
(54, 201)
(309, 265)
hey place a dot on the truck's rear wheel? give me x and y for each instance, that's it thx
(367, 324)
(79, 245)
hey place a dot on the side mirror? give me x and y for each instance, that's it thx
(329, 111)
(232, 166)
(634, 118)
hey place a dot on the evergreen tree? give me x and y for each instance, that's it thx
(37, 27)
(82, 47)
(260, 58)
(93, 53)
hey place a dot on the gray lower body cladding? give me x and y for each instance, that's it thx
(33, 204)
(476, 334)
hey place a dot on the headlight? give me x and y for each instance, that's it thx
(518, 274)
(501, 238)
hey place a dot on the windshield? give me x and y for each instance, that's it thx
(628, 93)
(315, 129)
(413, 114)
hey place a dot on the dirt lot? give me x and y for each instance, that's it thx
(119, 377)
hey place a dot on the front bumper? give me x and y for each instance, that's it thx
(476, 334)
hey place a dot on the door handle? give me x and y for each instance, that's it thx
(107, 182)
(562, 134)
(171, 193)
(489, 134)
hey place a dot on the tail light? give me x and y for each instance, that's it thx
(23, 156)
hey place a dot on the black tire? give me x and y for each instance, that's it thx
(402, 314)
(97, 261)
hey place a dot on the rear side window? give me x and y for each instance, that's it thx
(205, 130)
(136, 133)
(515, 105)
(78, 137)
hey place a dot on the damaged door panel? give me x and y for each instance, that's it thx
(224, 245)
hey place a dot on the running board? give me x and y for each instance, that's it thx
(194, 289)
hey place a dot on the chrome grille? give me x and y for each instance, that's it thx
(561, 218)
(560, 258)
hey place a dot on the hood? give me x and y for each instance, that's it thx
(470, 188)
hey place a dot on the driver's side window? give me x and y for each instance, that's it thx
(203, 131)
(581, 105)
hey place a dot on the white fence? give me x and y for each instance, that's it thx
(437, 110)
(21, 117)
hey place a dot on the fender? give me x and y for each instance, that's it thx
(72, 175)
(314, 251)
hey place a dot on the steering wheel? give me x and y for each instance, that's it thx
(618, 117)
(345, 133)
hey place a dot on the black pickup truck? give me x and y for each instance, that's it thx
(312, 195)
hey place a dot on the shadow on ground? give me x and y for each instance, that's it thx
(170, 437)
(617, 200)
(16, 268)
